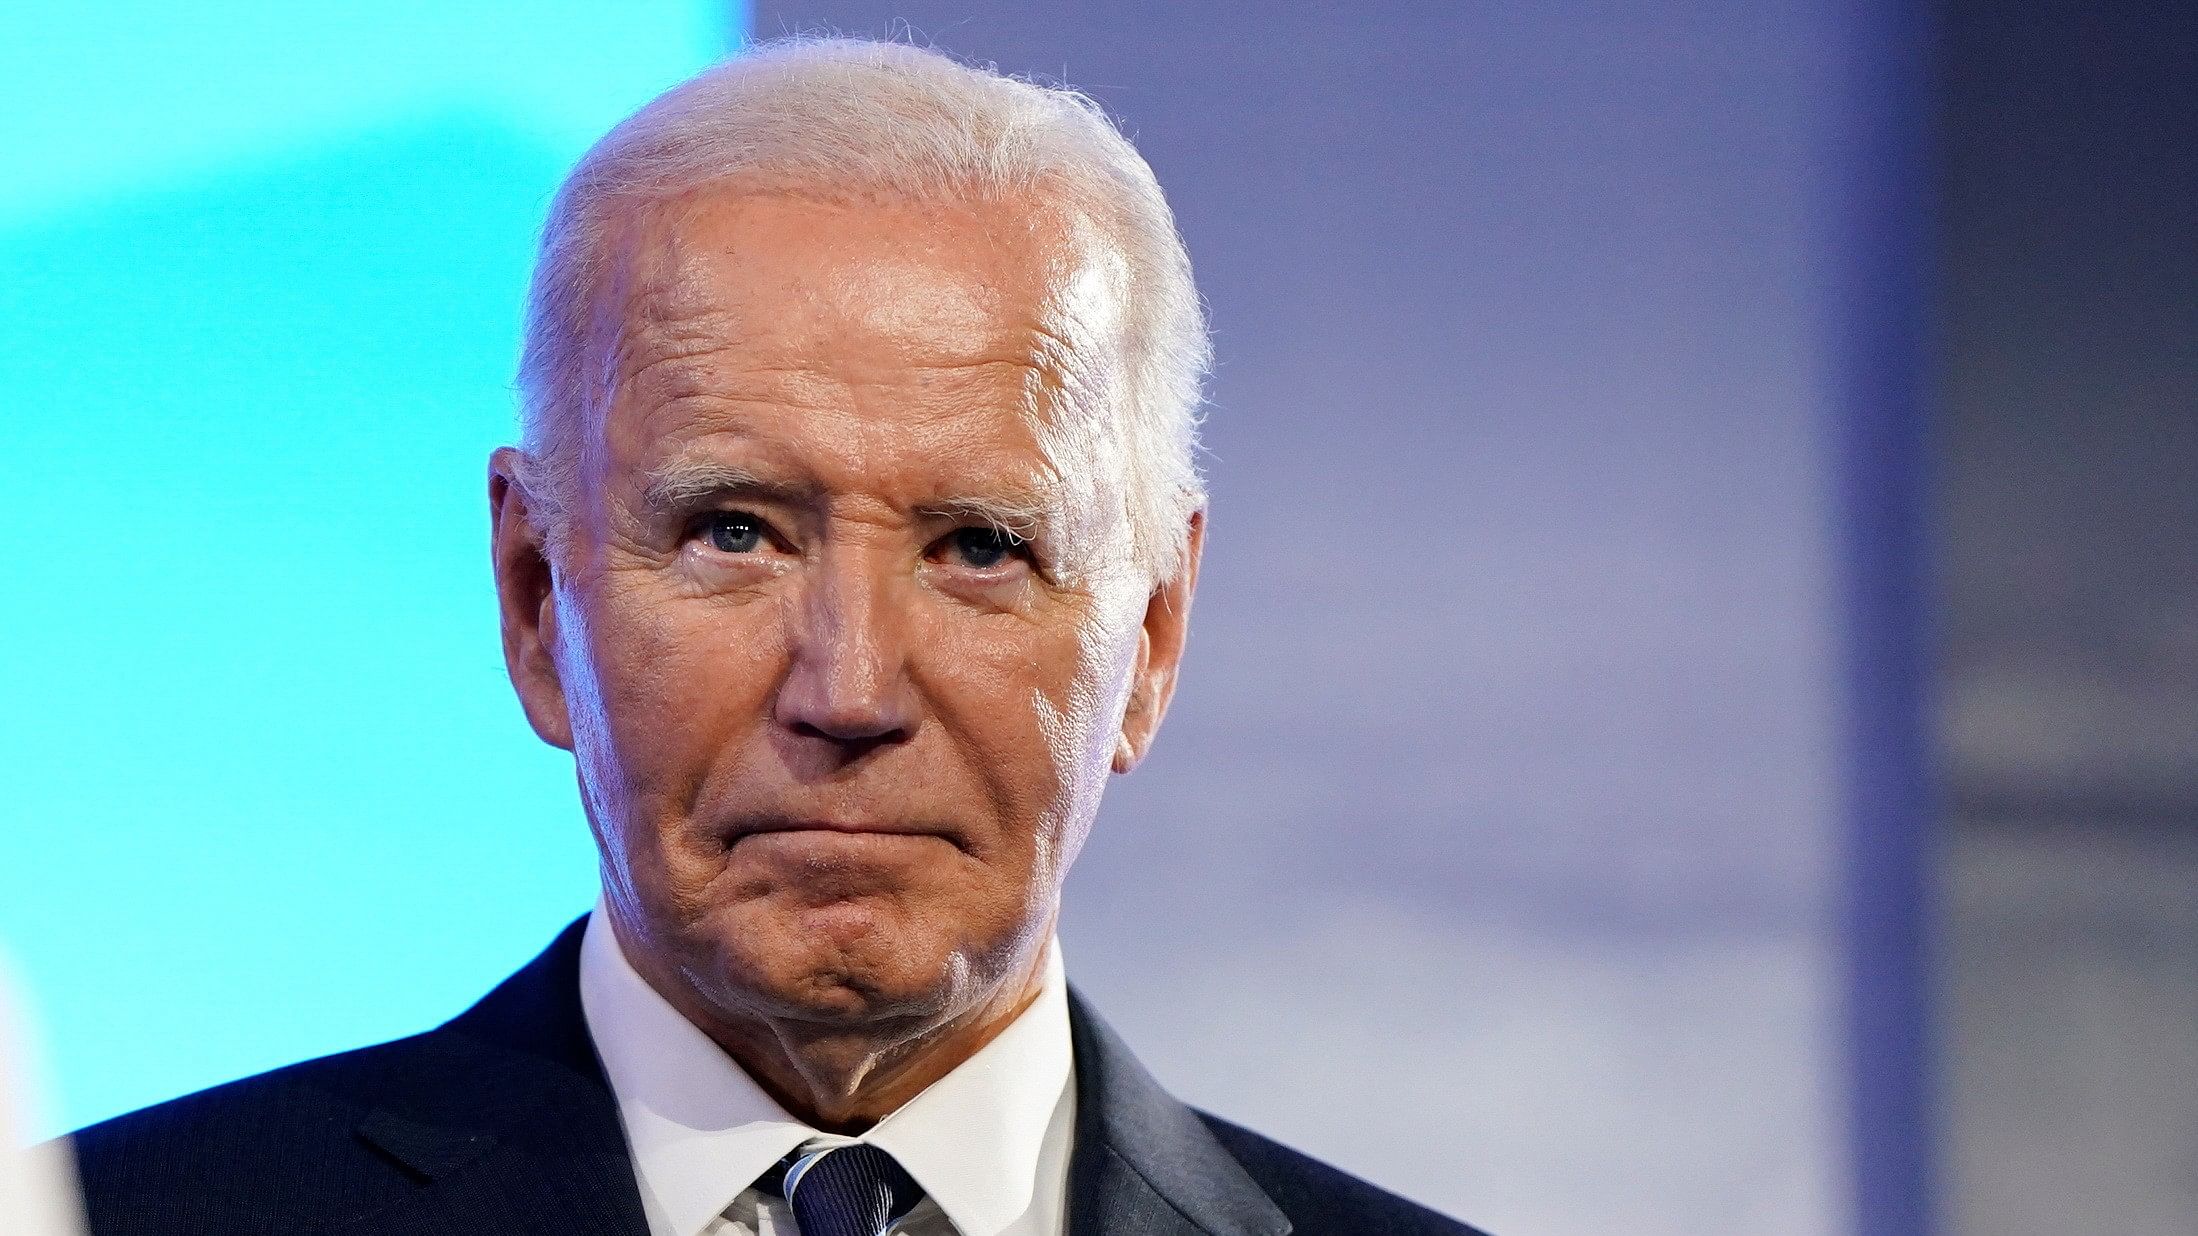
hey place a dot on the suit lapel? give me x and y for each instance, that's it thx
(1144, 1164)
(504, 1119)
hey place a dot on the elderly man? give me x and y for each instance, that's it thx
(849, 549)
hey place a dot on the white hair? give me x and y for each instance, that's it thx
(855, 116)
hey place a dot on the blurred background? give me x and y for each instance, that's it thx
(2066, 525)
(1692, 720)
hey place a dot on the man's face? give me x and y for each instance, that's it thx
(837, 734)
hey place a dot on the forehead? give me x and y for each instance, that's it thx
(780, 263)
(779, 313)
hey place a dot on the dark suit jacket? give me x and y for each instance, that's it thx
(501, 1121)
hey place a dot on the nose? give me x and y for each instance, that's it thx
(847, 679)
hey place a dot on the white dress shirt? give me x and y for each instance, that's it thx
(989, 1142)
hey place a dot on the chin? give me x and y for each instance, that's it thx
(837, 962)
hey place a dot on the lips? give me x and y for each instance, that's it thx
(753, 826)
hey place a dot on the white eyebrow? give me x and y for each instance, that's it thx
(685, 481)
(1021, 516)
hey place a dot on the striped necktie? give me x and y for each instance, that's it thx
(855, 1190)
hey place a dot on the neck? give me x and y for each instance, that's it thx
(845, 1077)
(844, 1081)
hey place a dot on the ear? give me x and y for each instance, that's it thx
(526, 597)
(1160, 652)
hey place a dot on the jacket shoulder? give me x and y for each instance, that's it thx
(270, 1153)
(1321, 1198)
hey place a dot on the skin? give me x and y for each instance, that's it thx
(838, 739)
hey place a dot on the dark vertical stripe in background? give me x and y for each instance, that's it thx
(2067, 509)
(1885, 264)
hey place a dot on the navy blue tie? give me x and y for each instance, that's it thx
(853, 1190)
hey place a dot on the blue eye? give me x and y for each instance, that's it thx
(734, 532)
(985, 548)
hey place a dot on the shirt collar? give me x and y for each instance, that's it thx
(701, 1130)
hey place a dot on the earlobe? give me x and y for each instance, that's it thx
(1160, 644)
(546, 709)
(1129, 736)
(1141, 720)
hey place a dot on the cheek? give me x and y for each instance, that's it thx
(995, 688)
(1077, 720)
(1079, 712)
(672, 682)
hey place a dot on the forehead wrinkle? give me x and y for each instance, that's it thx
(706, 364)
(630, 296)
(668, 384)
(661, 328)
(673, 275)
(663, 309)
(687, 254)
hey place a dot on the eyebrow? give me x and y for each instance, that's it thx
(1023, 516)
(684, 484)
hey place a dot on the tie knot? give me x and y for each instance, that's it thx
(855, 1190)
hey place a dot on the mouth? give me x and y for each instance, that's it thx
(794, 826)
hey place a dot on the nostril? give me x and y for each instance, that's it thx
(855, 739)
